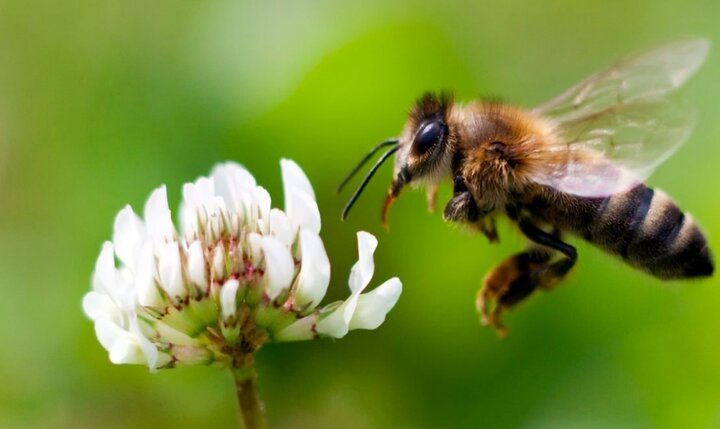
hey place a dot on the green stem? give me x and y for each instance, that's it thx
(251, 410)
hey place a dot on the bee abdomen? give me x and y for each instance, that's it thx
(649, 231)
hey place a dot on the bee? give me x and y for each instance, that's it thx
(574, 165)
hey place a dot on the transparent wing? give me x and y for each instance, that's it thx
(616, 126)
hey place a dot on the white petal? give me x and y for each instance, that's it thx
(104, 277)
(188, 222)
(202, 210)
(127, 351)
(231, 174)
(262, 202)
(279, 266)
(218, 261)
(196, 265)
(157, 219)
(149, 351)
(230, 178)
(98, 305)
(108, 332)
(373, 306)
(293, 176)
(217, 216)
(314, 275)
(364, 268)
(128, 236)
(254, 248)
(200, 193)
(227, 298)
(302, 210)
(148, 294)
(281, 228)
(121, 344)
(191, 218)
(337, 323)
(170, 271)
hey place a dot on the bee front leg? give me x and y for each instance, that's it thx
(461, 208)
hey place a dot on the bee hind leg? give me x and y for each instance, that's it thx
(509, 283)
(551, 273)
(517, 277)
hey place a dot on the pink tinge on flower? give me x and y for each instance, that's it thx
(237, 272)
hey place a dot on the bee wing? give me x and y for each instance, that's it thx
(616, 126)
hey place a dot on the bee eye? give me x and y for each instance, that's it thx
(430, 134)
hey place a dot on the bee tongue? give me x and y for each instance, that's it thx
(393, 192)
(386, 207)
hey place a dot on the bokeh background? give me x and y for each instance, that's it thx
(100, 102)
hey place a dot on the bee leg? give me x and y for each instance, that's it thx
(509, 283)
(516, 278)
(461, 208)
(489, 229)
(551, 273)
(432, 191)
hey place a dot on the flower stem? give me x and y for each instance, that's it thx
(251, 412)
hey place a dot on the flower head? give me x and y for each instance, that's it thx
(239, 274)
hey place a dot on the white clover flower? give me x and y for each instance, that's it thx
(238, 275)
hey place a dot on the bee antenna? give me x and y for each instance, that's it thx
(366, 180)
(366, 158)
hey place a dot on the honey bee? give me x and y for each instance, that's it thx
(574, 165)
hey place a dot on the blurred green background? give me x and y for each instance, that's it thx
(100, 102)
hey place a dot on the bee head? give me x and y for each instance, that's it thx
(425, 147)
(423, 151)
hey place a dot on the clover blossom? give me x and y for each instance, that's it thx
(237, 275)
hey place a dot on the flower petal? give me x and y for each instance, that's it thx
(98, 305)
(337, 323)
(230, 178)
(228, 293)
(104, 277)
(261, 208)
(300, 204)
(129, 233)
(196, 265)
(303, 211)
(281, 228)
(254, 248)
(364, 268)
(157, 219)
(279, 266)
(218, 261)
(293, 176)
(148, 294)
(170, 271)
(122, 346)
(148, 349)
(314, 276)
(373, 306)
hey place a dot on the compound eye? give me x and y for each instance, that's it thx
(430, 134)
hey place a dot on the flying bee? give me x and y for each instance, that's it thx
(574, 165)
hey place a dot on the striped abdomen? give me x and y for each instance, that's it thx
(643, 226)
